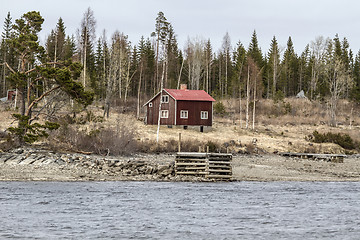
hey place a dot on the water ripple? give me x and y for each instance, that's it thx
(152, 210)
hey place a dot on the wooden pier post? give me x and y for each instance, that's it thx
(179, 142)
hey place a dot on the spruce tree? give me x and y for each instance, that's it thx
(254, 51)
(239, 60)
(6, 54)
(55, 45)
(355, 92)
(273, 67)
(289, 82)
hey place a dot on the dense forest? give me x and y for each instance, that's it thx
(326, 69)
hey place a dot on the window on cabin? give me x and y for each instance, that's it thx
(164, 114)
(204, 115)
(165, 98)
(184, 113)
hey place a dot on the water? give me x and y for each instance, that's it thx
(158, 210)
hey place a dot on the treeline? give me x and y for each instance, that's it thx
(327, 69)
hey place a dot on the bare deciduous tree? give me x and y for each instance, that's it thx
(86, 36)
(318, 49)
(196, 61)
(338, 79)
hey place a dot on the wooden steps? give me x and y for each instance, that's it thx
(209, 165)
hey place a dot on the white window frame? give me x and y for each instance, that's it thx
(164, 98)
(150, 104)
(204, 115)
(184, 114)
(164, 114)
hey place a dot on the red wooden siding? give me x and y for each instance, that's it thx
(194, 109)
(178, 101)
(153, 112)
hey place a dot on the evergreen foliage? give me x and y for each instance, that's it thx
(35, 78)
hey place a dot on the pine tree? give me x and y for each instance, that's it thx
(161, 33)
(33, 68)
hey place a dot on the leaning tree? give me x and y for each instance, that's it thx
(33, 71)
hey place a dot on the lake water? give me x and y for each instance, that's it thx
(162, 210)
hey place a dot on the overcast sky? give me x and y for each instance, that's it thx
(303, 20)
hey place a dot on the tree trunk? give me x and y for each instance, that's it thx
(127, 83)
(247, 98)
(138, 94)
(109, 88)
(159, 117)
(253, 120)
(240, 109)
(226, 74)
(85, 51)
(181, 68)
(274, 77)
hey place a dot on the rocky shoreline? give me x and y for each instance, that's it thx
(31, 164)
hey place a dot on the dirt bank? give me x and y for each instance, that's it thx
(40, 165)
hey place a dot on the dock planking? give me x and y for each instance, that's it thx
(209, 165)
(338, 158)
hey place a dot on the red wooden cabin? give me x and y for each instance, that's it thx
(180, 107)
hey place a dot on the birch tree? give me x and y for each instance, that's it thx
(337, 77)
(226, 48)
(239, 62)
(86, 38)
(208, 63)
(318, 50)
(195, 57)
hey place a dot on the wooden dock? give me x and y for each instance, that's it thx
(209, 165)
(338, 158)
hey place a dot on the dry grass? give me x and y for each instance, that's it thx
(274, 131)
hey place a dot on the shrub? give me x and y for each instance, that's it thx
(7, 142)
(109, 141)
(250, 148)
(343, 140)
(219, 108)
(213, 147)
(27, 132)
(279, 96)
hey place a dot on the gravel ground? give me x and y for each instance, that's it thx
(40, 165)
